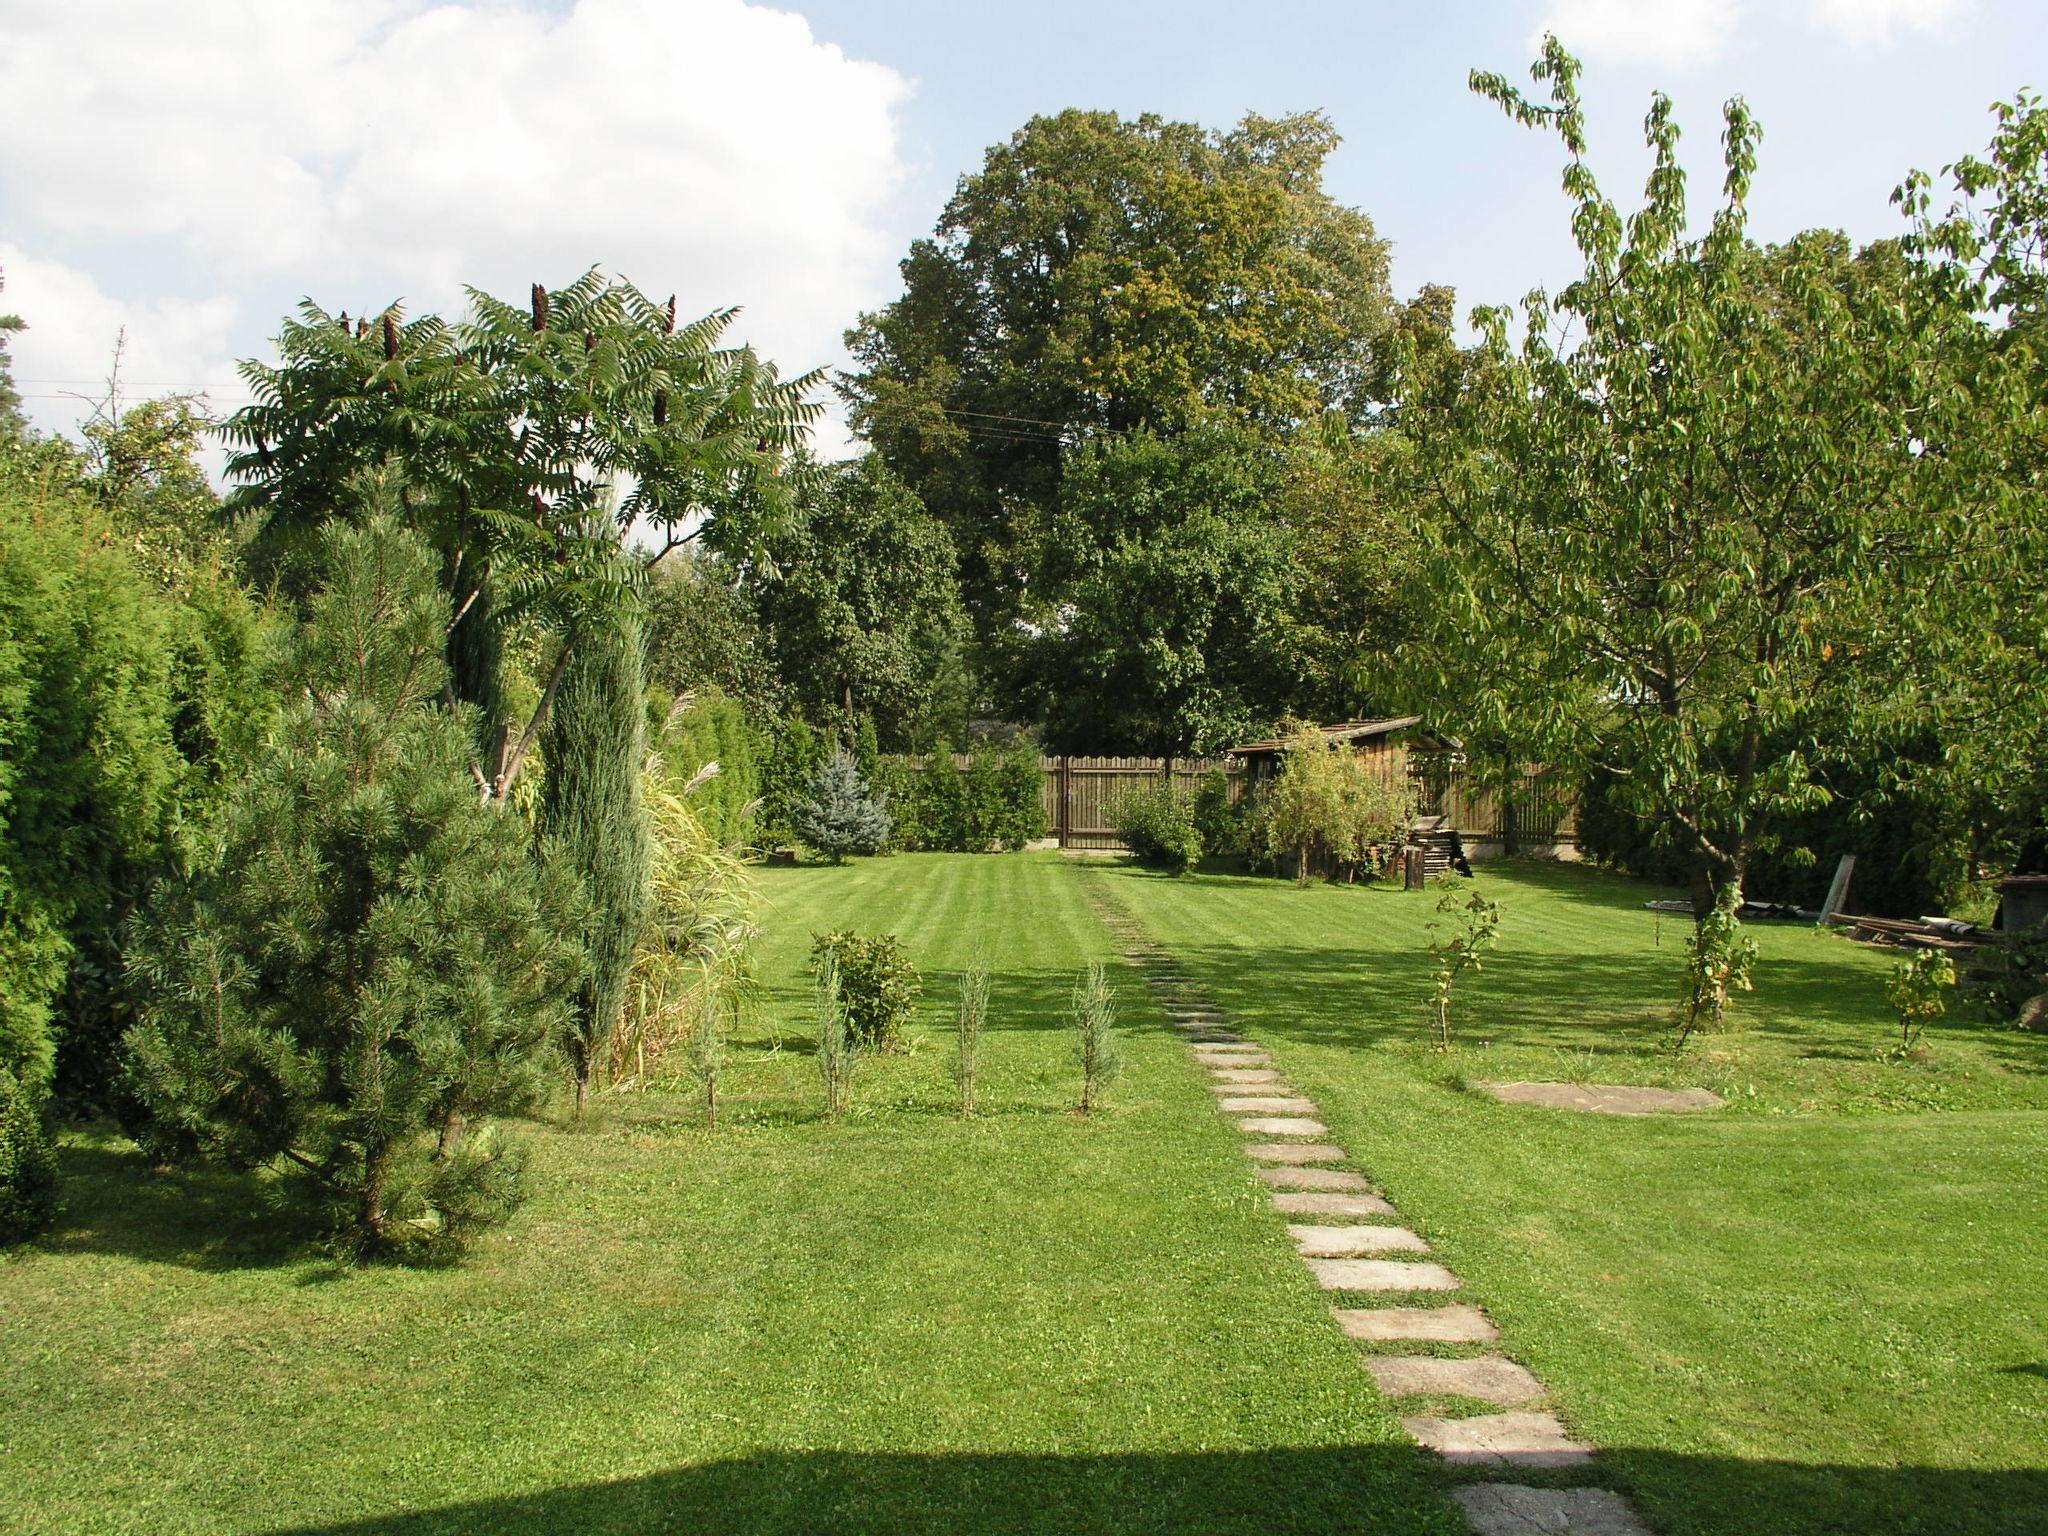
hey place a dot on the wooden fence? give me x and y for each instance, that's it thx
(1537, 811)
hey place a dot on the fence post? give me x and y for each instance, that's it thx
(1066, 799)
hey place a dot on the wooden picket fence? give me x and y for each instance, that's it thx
(1079, 792)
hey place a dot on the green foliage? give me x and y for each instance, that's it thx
(877, 985)
(123, 706)
(1331, 800)
(1914, 989)
(1098, 275)
(1719, 960)
(592, 819)
(842, 814)
(1097, 1046)
(509, 438)
(838, 1045)
(1219, 820)
(704, 638)
(1475, 929)
(691, 966)
(1158, 826)
(971, 1021)
(1667, 521)
(365, 967)
(708, 742)
(796, 753)
(28, 1164)
(859, 602)
(998, 802)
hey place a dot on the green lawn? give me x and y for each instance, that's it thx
(1824, 1309)
(901, 1322)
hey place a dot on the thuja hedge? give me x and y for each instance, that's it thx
(995, 800)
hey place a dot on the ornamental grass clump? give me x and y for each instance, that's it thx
(1095, 1038)
(971, 1019)
(838, 1049)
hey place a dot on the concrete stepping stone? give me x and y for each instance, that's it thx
(1606, 1098)
(1266, 1104)
(1282, 1125)
(1228, 1055)
(1500, 1440)
(1274, 1086)
(1509, 1509)
(1210, 1034)
(1382, 1275)
(1336, 1180)
(1349, 1242)
(1455, 1324)
(1488, 1378)
(1327, 1204)
(1242, 1076)
(1295, 1153)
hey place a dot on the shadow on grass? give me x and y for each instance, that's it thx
(1383, 1490)
(202, 1218)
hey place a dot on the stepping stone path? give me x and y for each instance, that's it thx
(1351, 1224)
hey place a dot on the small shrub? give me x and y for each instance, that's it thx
(1095, 1038)
(1219, 822)
(1719, 961)
(1477, 930)
(1158, 825)
(877, 985)
(1914, 990)
(28, 1165)
(838, 1050)
(972, 1020)
(843, 815)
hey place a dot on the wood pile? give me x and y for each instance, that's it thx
(1917, 932)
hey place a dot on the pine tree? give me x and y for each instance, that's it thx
(843, 815)
(592, 816)
(368, 966)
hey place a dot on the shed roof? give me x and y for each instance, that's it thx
(1349, 730)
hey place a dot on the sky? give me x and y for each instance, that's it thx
(183, 175)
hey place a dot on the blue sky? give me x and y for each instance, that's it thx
(185, 174)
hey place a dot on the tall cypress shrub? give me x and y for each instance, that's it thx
(591, 815)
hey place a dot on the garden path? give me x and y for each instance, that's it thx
(1520, 1431)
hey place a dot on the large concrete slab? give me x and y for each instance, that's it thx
(1350, 1242)
(1488, 1378)
(1500, 1440)
(1265, 1104)
(1454, 1324)
(1297, 1177)
(1282, 1125)
(1382, 1275)
(1295, 1154)
(1330, 1204)
(1606, 1098)
(1508, 1509)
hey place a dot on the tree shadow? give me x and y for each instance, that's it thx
(202, 1217)
(1383, 1490)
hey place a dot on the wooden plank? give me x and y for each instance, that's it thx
(1838, 890)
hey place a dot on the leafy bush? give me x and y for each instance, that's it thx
(1330, 799)
(1158, 825)
(1914, 991)
(368, 965)
(28, 1164)
(795, 754)
(998, 802)
(878, 986)
(843, 814)
(1220, 821)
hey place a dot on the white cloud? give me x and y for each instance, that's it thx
(1873, 21)
(243, 153)
(1654, 31)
